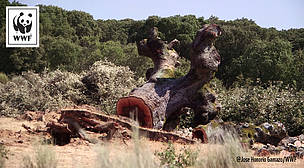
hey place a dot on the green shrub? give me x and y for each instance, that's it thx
(183, 68)
(257, 104)
(99, 86)
(106, 83)
(169, 158)
(186, 119)
(38, 92)
(3, 78)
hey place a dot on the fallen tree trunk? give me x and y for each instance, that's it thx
(158, 103)
(74, 123)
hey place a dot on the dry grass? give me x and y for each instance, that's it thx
(45, 157)
(3, 155)
(218, 154)
(140, 156)
(81, 154)
(222, 151)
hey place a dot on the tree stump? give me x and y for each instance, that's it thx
(159, 101)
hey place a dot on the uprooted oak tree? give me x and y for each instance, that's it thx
(159, 102)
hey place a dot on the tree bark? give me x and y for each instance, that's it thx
(160, 100)
(75, 123)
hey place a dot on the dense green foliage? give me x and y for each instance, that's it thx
(257, 104)
(73, 41)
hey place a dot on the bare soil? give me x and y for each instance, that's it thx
(80, 153)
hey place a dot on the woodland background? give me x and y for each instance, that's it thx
(85, 61)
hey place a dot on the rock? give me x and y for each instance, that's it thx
(298, 144)
(257, 146)
(292, 147)
(245, 125)
(266, 133)
(272, 149)
(284, 142)
(285, 153)
(263, 152)
(292, 140)
(289, 146)
(278, 149)
(179, 132)
(258, 129)
(270, 133)
(267, 126)
(301, 137)
(300, 154)
(269, 146)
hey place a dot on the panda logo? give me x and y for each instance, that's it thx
(23, 23)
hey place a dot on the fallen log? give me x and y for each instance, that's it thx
(158, 102)
(74, 122)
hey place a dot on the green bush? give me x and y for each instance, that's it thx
(106, 83)
(99, 86)
(171, 159)
(259, 104)
(183, 68)
(38, 92)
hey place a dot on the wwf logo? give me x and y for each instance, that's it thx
(23, 23)
(22, 26)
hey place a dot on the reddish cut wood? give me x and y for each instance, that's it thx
(137, 105)
(200, 133)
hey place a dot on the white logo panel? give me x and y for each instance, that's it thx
(22, 26)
